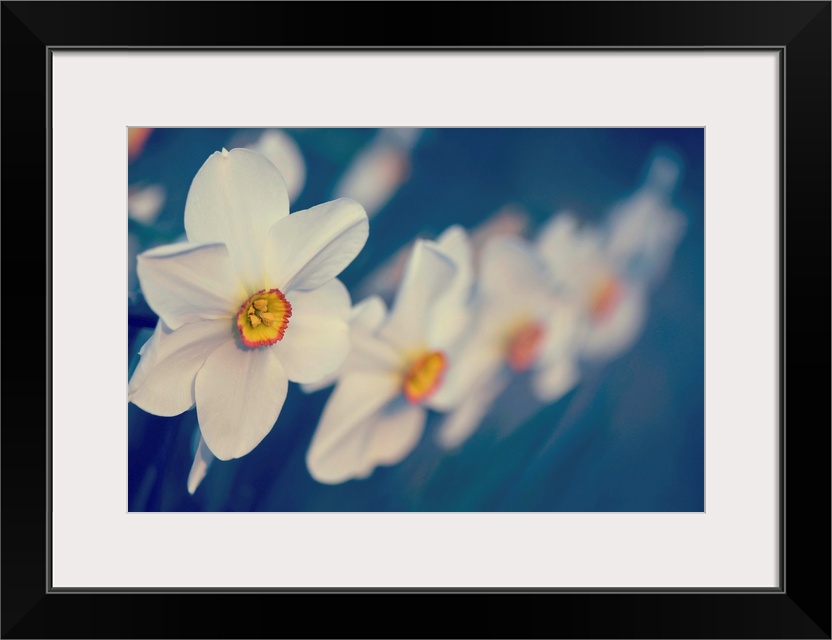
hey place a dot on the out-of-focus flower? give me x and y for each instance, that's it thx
(643, 230)
(285, 154)
(509, 220)
(379, 169)
(145, 202)
(521, 325)
(608, 273)
(398, 365)
(136, 139)
(250, 302)
(384, 280)
(365, 319)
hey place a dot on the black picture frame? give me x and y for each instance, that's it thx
(799, 608)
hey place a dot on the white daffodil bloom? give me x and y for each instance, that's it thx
(643, 230)
(451, 309)
(365, 318)
(609, 274)
(612, 308)
(397, 366)
(521, 325)
(248, 303)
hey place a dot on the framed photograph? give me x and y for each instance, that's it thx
(488, 314)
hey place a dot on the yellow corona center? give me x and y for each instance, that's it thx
(263, 318)
(605, 296)
(524, 346)
(424, 376)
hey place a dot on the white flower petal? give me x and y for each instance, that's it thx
(321, 383)
(235, 199)
(367, 353)
(556, 235)
(163, 382)
(199, 469)
(511, 272)
(427, 275)
(373, 355)
(330, 299)
(316, 341)
(368, 315)
(562, 330)
(554, 381)
(461, 423)
(239, 395)
(394, 433)
(285, 154)
(308, 248)
(449, 315)
(186, 283)
(149, 356)
(385, 278)
(469, 367)
(643, 234)
(336, 452)
(571, 253)
(610, 336)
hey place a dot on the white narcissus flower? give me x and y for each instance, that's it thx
(365, 319)
(643, 230)
(521, 325)
(612, 308)
(249, 303)
(397, 366)
(609, 272)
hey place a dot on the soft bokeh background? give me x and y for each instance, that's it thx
(629, 437)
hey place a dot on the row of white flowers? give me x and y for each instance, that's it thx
(252, 302)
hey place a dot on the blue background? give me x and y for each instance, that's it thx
(630, 437)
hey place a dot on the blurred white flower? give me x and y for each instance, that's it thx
(250, 302)
(145, 202)
(379, 169)
(397, 366)
(384, 279)
(611, 308)
(643, 230)
(521, 324)
(365, 318)
(509, 220)
(285, 154)
(608, 272)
